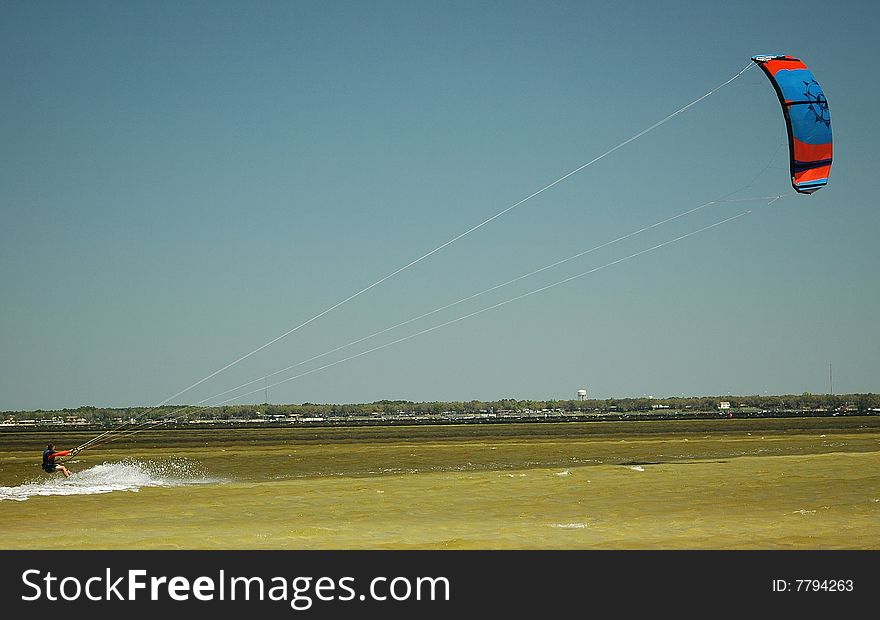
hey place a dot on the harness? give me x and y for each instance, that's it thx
(48, 463)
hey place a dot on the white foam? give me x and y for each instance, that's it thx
(128, 475)
(564, 473)
(637, 468)
(570, 526)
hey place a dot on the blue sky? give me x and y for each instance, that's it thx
(181, 183)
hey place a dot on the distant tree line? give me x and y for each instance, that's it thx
(852, 403)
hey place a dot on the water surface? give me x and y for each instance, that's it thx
(757, 484)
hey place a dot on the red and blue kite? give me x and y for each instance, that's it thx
(806, 117)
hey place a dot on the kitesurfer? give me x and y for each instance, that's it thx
(49, 456)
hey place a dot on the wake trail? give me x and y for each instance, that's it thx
(128, 475)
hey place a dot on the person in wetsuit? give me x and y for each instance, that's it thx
(49, 456)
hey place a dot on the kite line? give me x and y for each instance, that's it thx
(460, 235)
(513, 206)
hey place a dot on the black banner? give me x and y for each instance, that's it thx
(396, 584)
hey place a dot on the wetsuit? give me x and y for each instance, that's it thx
(49, 464)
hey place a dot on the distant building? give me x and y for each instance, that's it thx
(582, 395)
(724, 405)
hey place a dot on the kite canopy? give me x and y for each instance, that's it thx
(806, 117)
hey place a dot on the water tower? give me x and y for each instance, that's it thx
(582, 395)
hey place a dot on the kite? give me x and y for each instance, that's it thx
(807, 119)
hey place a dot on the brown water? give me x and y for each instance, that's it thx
(809, 483)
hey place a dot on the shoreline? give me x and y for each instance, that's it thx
(342, 421)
